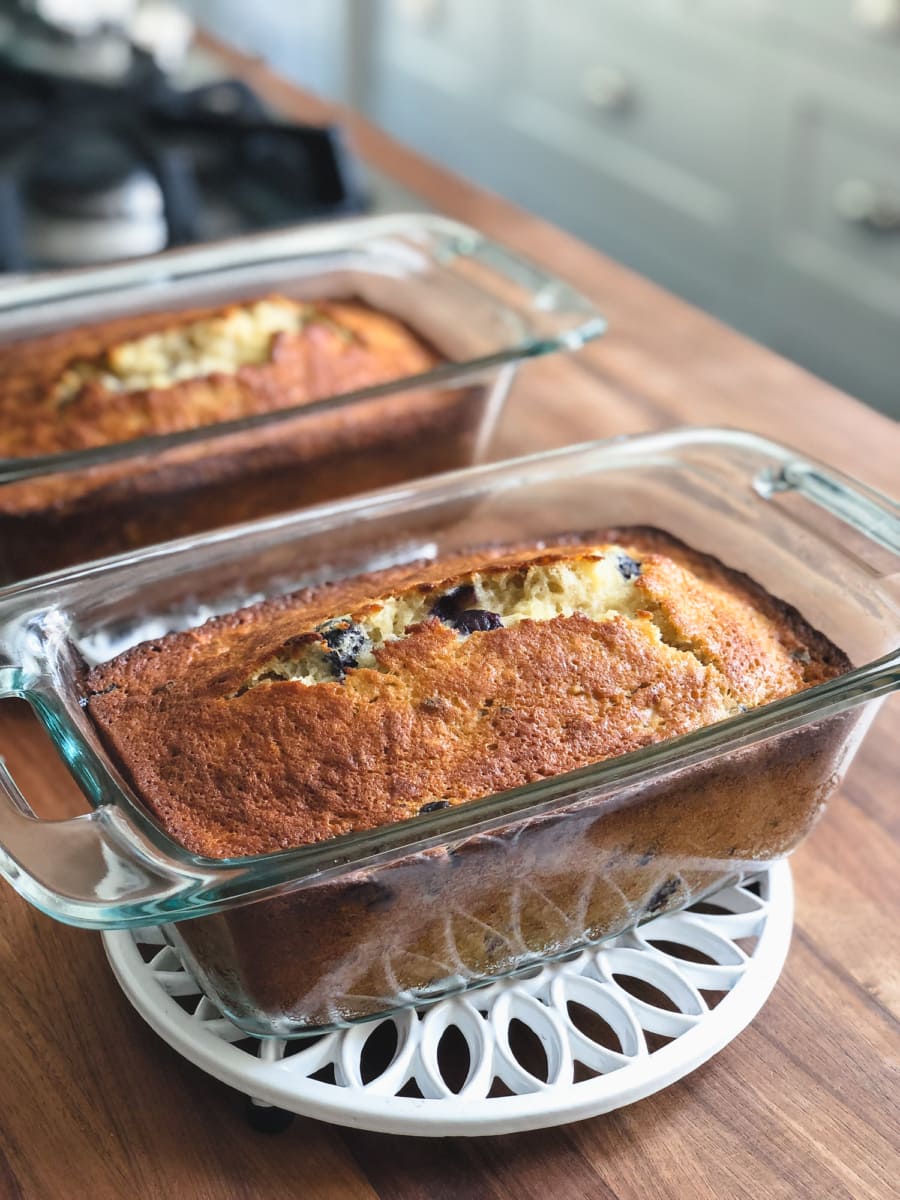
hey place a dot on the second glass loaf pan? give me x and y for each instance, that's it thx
(479, 308)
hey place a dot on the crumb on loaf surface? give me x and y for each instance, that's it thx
(220, 344)
(595, 585)
(372, 699)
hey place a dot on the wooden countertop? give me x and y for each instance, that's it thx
(802, 1104)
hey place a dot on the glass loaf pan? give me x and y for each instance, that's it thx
(481, 308)
(366, 923)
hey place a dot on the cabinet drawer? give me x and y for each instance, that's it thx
(654, 105)
(633, 134)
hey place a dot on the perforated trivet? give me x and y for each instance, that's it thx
(565, 1041)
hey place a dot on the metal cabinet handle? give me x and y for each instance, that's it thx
(864, 203)
(607, 89)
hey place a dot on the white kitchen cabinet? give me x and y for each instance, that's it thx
(744, 153)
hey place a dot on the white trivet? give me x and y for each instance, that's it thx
(564, 1041)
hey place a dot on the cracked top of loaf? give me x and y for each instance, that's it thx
(154, 374)
(369, 700)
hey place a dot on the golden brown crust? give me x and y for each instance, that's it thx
(231, 771)
(66, 517)
(340, 347)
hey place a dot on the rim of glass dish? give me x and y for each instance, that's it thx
(366, 848)
(448, 240)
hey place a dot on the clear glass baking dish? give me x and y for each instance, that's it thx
(365, 923)
(481, 308)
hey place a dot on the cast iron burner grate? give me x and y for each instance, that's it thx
(91, 172)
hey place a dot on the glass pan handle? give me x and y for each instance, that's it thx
(88, 870)
(870, 513)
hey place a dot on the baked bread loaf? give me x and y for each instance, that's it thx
(374, 699)
(139, 376)
(360, 703)
(136, 377)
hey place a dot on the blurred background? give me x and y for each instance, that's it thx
(745, 155)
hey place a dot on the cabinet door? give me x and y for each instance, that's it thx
(834, 281)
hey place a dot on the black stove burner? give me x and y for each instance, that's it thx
(91, 172)
(76, 164)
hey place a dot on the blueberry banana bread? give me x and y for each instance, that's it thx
(137, 377)
(374, 699)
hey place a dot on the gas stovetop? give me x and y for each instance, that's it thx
(91, 172)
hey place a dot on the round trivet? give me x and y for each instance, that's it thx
(567, 1040)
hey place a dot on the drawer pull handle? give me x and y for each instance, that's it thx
(868, 205)
(606, 89)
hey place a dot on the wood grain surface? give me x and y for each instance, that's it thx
(802, 1104)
